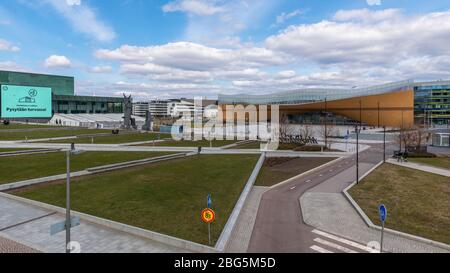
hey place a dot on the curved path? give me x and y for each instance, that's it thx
(279, 225)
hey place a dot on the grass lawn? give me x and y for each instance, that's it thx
(251, 145)
(48, 134)
(278, 169)
(165, 197)
(189, 143)
(417, 202)
(116, 139)
(440, 162)
(23, 167)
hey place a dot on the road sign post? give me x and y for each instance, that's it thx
(208, 216)
(383, 214)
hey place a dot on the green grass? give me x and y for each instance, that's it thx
(251, 145)
(417, 202)
(48, 134)
(278, 169)
(116, 139)
(24, 167)
(188, 143)
(440, 162)
(165, 197)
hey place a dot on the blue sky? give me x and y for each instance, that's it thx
(186, 48)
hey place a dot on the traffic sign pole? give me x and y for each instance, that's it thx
(209, 233)
(383, 214)
(208, 216)
(382, 232)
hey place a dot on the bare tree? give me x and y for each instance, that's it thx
(326, 132)
(306, 130)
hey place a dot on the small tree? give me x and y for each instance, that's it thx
(326, 132)
(306, 131)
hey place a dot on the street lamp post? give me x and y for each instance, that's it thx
(357, 142)
(68, 224)
(384, 144)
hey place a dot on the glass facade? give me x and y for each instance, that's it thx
(432, 103)
(86, 105)
(303, 96)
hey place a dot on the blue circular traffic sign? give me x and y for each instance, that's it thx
(383, 212)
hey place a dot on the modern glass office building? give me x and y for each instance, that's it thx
(398, 104)
(64, 100)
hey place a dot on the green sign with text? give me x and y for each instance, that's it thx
(25, 102)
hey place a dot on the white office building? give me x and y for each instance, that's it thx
(159, 108)
(139, 108)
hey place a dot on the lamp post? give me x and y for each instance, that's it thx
(326, 118)
(70, 152)
(357, 142)
(384, 144)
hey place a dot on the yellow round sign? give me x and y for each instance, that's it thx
(208, 215)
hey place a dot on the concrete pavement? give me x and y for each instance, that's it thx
(281, 226)
(421, 167)
(31, 225)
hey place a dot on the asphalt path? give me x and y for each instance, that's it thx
(279, 225)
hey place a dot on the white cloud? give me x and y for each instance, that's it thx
(188, 56)
(196, 7)
(101, 69)
(234, 17)
(8, 46)
(367, 15)
(283, 17)
(83, 19)
(57, 61)
(390, 38)
(373, 2)
(11, 66)
(353, 47)
(73, 2)
(286, 74)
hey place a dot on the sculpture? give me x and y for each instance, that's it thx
(128, 109)
(148, 121)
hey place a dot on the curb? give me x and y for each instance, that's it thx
(29, 152)
(370, 224)
(232, 219)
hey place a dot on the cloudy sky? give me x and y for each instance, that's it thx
(187, 48)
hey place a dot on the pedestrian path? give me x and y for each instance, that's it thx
(31, 226)
(329, 243)
(421, 167)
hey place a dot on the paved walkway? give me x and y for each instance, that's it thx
(11, 246)
(421, 167)
(31, 225)
(240, 236)
(326, 208)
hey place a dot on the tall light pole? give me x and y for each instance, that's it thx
(68, 221)
(68, 224)
(326, 118)
(357, 142)
(384, 144)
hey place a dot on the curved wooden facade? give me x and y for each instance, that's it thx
(395, 109)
